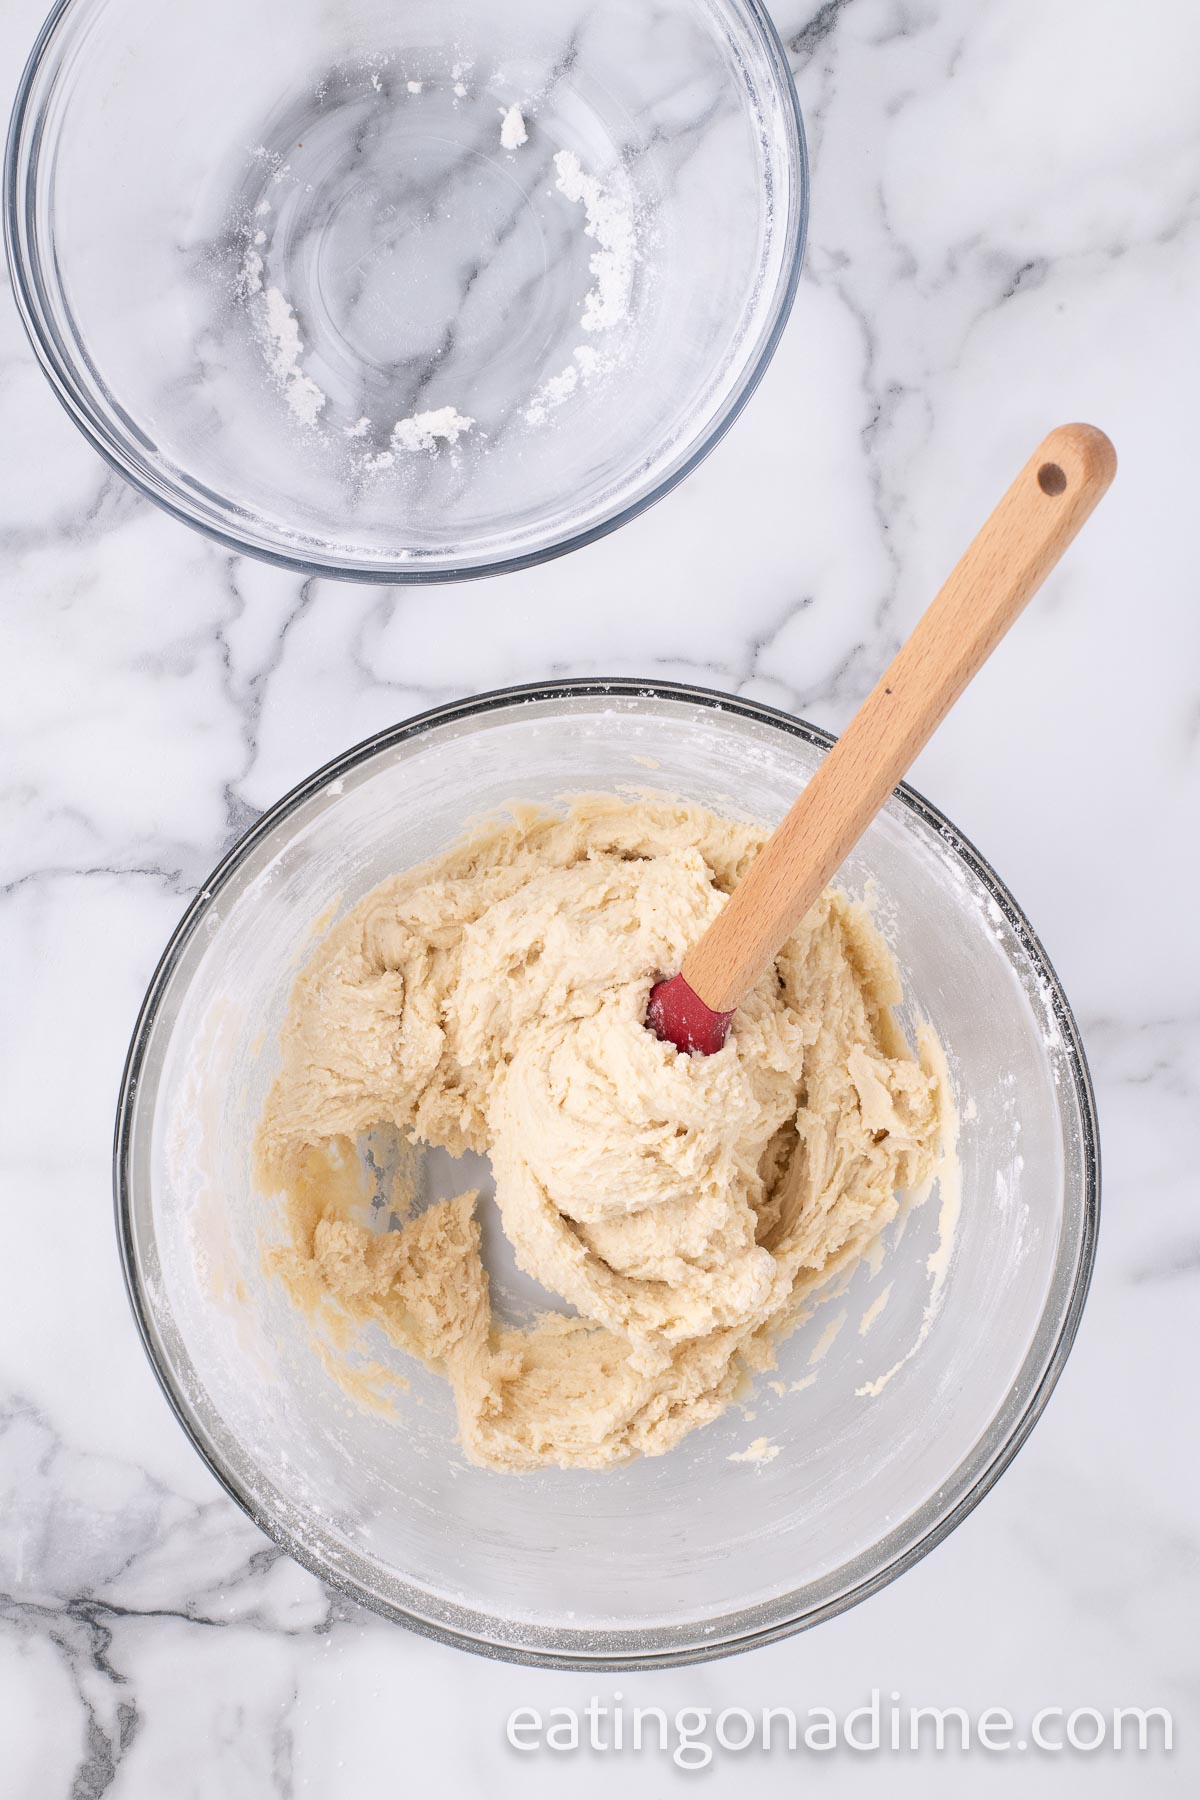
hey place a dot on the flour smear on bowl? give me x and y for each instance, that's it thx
(603, 213)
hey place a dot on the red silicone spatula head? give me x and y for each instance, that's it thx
(680, 1017)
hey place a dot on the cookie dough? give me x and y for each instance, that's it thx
(682, 1208)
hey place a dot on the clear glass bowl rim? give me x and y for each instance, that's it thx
(118, 447)
(914, 1537)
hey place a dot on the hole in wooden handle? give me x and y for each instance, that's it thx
(1051, 479)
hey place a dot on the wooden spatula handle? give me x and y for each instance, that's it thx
(1038, 517)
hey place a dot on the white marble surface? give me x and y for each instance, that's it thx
(1005, 232)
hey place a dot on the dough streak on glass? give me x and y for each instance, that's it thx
(683, 1208)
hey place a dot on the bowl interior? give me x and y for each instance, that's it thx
(306, 231)
(692, 1552)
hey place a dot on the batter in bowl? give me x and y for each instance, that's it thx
(683, 1207)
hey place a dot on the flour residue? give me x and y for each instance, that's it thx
(825, 1342)
(607, 217)
(285, 347)
(585, 366)
(610, 221)
(873, 1311)
(421, 431)
(424, 431)
(761, 1451)
(948, 1177)
(513, 132)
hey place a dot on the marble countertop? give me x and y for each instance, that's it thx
(1005, 233)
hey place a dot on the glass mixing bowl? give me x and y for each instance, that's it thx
(688, 1555)
(291, 268)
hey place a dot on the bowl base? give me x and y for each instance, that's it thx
(393, 257)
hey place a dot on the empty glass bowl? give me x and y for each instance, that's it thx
(405, 289)
(887, 1431)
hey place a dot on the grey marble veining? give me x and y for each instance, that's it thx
(1005, 232)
